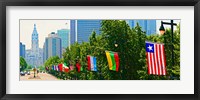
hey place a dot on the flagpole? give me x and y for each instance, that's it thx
(100, 73)
(86, 72)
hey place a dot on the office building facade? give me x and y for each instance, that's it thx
(151, 27)
(73, 31)
(64, 35)
(80, 30)
(148, 26)
(52, 46)
(22, 50)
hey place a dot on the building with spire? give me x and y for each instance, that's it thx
(34, 39)
(34, 55)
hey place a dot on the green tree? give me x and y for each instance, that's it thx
(173, 72)
(23, 64)
(29, 67)
(117, 36)
(41, 68)
(54, 60)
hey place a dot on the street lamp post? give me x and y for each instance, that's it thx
(162, 31)
(34, 71)
(100, 72)
(86, 71)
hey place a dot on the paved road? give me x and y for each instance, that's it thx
(40, 76)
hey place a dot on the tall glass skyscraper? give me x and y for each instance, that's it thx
(52, 46)
(142, 23)
(151, 27)
(148, 26)
(64, 35)
(73, 31)
(131, 23)
(82, 29)
(22, 50)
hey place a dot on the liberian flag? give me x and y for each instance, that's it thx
(155, 55)
(92, 64)
(113, 60)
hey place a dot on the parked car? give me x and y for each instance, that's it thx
(22, 73)
(28, 73)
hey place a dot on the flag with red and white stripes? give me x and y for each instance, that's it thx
(155, 55)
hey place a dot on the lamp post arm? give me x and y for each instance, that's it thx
(166, 23)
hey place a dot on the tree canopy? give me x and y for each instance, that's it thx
(117, 36)
(23, 64)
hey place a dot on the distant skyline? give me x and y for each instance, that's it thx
(45, 27)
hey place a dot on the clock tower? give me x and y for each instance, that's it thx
(35, 44)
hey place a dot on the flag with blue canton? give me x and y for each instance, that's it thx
(149, 47)
(156, 61)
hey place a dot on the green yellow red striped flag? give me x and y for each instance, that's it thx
(113, 60)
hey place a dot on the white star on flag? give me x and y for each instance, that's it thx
(150, 48)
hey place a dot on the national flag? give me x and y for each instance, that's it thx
(60, 66)
(155, 55)
(113, 60)
(89, 63)
(66, 68)
(47, 68)
(57, 69)
(92, 64)
(78, 66)
(71, 67)
(64, 65)
(52, 67)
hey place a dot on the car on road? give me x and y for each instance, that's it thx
(22, 73)
(28, 73)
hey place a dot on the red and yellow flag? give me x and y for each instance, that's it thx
(113, 60)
